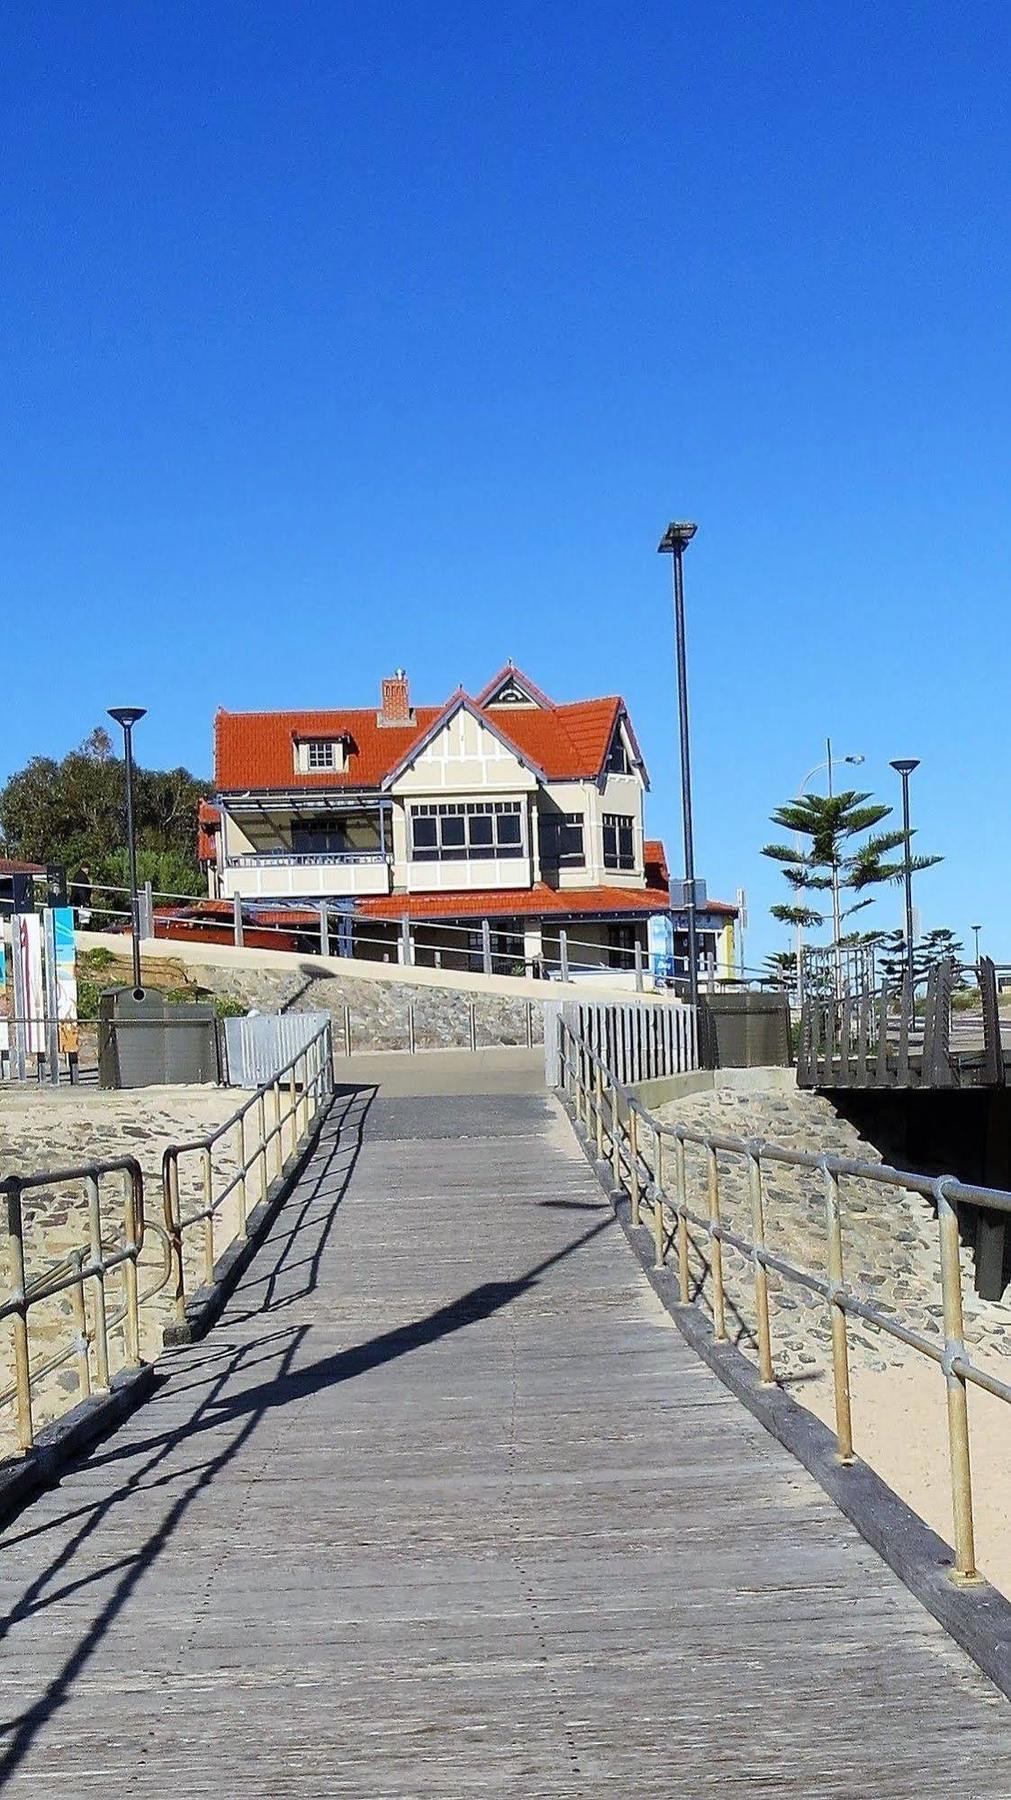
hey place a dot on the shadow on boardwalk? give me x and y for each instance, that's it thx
(215, 1366)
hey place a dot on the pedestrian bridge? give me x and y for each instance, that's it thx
(446, 1504)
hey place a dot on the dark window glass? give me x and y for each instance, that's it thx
(619, 841)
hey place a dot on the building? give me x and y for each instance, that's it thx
(501, 825)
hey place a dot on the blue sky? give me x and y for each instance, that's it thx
(337, 337)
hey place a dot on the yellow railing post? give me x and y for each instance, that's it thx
(170, 1183)
(243, 1167)
(278, 1136)
(958, 1411)
(598, 1094)
(761, 1273)
(292, 1110)
(208, 1184)
(633, 1164)
(80, 1324)
(837, 1311)
(261, 1127)
(130, 1221)
(19, 1320)
(97, 1280)
(715, 1246)
(659, 1244)
(684, 1274)
(615, 1125)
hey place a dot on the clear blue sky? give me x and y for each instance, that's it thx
(340, 336)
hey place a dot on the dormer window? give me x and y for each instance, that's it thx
(316, 756)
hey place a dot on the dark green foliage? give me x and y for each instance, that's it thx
(831, 828)
(72, 813)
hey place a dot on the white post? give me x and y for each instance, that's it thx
(533, 945)
(405, 947)
(237, 919)
(486, 945)
(563, 952)
(638, 967)
(147, 910)
(324, 930)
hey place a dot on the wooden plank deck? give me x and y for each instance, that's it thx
(446, 1506)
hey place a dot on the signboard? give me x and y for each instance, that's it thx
(61, 978)
(29, 993)
(680, 894)
(5, 1030)
(660, 942)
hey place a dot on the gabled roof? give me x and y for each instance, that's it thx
(256, 751)
(511, 676)
(460, 702)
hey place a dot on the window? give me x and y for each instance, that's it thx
(560, 837)
(617, 757)
(466, 831)
(619, 841)
(315, 754)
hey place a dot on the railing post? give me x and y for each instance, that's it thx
(98, 1280)
(472, 1022)
(324, 930)
(958, 1411)
(292, 1111)
(237, 920)
(659, 1246)
(684, 1273)
(615, 1136)
(170, 1195)
(840, 1343)
(761, 1273)
(411, 1041)
(486, 946)
(406, 947)
(208, 1183)
(130, 1223)
(563, 953)
(19, 1320)
(715, 1246)
(278, 1138)
(347, 1028)
(241, 1185)
(80, 1324)
(530, 1024)
(638, 968)
(598, 1095)
(633, 1164)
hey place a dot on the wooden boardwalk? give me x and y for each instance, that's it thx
(446, 1506)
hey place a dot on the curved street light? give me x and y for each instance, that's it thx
(127, 717)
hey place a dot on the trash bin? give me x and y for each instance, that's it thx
(147, 1041)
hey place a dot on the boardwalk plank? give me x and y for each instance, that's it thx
(445, 1506)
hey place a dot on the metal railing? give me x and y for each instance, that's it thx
(84, 1274)
(266, 1132)
(615, 1121)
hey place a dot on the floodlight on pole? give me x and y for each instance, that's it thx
(127, 717)
(674, 543)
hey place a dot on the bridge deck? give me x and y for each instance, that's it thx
(446, 1506)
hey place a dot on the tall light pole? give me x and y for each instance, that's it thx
(975, 929)
(127, 717)
(674, 543)
(904, 767)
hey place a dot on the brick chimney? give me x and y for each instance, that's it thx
(396, 708)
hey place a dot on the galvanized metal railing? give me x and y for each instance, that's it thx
(84, 1274)
(266, 1131)
(615, 1121)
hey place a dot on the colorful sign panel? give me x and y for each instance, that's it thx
(660, 939)
(5, 1030)
(30, 994)
(61, 979)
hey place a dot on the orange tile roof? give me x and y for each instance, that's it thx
(255, 751)
(514, 902)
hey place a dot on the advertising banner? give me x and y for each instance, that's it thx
(660, 939)
(5, 1032)
(29, 992)
(65, 973)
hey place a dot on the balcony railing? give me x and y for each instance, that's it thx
(300, 859)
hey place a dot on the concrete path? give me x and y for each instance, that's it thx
(445, 1506)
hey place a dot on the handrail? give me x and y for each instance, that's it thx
(308, 1081)
(82, 1276)
(599, 1100)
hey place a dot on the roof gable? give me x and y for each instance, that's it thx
(468, 747)
(510, 687)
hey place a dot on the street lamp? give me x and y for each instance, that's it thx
(674, 543)
(904, 767)
(976, 929)
(127, 717)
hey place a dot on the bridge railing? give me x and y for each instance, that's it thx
(100, 1275)
(884, 1038)
(641, 1150)
(263, 1134)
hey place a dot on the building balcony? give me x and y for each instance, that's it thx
(288, 874)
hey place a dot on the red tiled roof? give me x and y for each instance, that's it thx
(255, 750)
(513, 902)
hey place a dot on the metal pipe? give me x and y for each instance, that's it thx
(761, 1273)
(715, 1247)
(840, 1344)
(686, 772)
(958, 1410)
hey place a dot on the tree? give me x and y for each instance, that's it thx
(935, 948)
(71, 813)
(780, 968)
(835, 861)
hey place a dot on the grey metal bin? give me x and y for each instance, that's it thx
(146, 1041)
